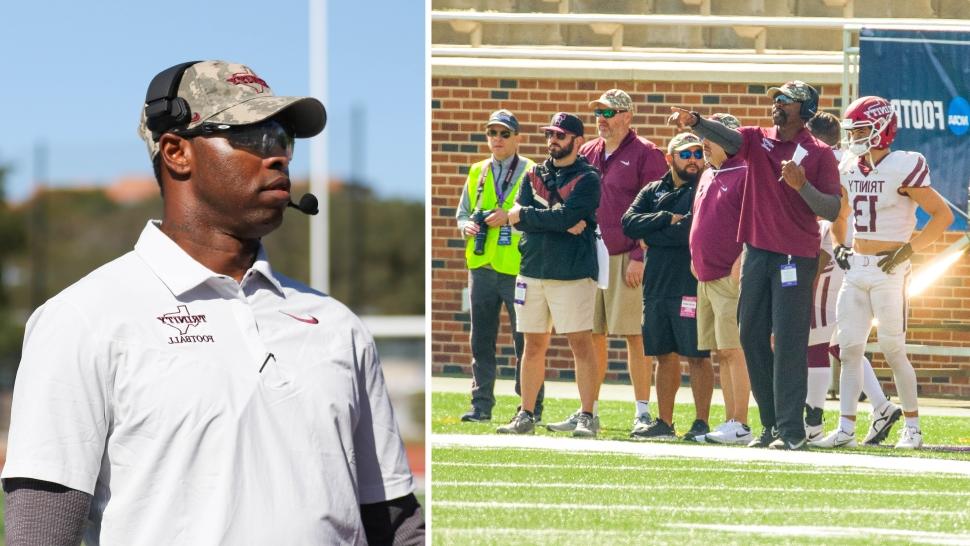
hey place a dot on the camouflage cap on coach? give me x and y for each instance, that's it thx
(795, 90)
(614, 98)
(220, 92)
(726, 120)
(683, 141)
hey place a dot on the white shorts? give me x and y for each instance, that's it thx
(868, 292)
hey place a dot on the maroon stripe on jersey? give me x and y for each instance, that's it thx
(835, 351)
(919, 181)
(912, 175)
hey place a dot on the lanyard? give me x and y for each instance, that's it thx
(500, 195)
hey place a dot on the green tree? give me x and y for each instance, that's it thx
(12, 238)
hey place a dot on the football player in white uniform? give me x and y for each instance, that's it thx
(823, 344)
(881, 189)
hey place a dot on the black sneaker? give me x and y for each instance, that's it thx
(476, 416)
(658, 430)
(788, 445)
(813, 423)
(768, 435)
(697, 432)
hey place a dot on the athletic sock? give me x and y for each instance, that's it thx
(913, 422)
(643, 407)
(871, 386)
(850, 382)
(818, 386)
(847, 425)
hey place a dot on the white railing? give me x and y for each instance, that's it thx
(472, 22)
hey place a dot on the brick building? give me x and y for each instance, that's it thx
(460, 101)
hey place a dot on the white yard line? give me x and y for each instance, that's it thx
(719, 488)
(746, 469)
(637, 536)
(706, 509)
(818, 532)
(914, 465)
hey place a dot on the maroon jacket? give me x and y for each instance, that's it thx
(633, 165)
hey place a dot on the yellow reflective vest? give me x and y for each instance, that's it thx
(502, 258)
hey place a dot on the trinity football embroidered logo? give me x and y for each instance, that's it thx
(182, 320)
(250, 80)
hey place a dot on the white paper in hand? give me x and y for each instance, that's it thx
(799, 155)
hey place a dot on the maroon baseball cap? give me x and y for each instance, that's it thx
(563, 122)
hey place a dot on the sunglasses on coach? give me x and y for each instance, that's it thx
(783, 99)
(606, 113)
(266, 139)
(553, 135)
(504, 134)
(686, 154)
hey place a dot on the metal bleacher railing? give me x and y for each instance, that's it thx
(755, 28)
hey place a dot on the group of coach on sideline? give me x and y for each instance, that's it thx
(712, 246)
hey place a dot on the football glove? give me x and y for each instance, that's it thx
(891, 258)
(842, 254)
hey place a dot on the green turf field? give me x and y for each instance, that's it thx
(616, 419)
(503, 495)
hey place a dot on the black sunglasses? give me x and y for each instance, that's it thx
(266, 139)
(504, 134)
(685, 154)
(607, 113)
(554, 135)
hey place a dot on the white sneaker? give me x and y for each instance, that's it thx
(731, 433)
(837, 438)
(814, 434)
(910, 438)
(881, 421)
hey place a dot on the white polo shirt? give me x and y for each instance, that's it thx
(200, 411)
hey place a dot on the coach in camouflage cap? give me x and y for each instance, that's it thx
(798, 91)
(615, 99)
(225, 93)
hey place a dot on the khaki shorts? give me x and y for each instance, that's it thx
(717, 314)
(619, 308)
(567, 305)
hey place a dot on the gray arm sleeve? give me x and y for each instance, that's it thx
(464, 212)
(39, 512)
(397, 522)
(725, 137)
(822, 204)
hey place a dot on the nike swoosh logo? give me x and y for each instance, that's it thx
(626, 163)
(311, 320)
(724, 188)
(741, 434)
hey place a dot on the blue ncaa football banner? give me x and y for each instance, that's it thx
(926, 75)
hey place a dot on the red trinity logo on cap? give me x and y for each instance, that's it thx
(251, 80)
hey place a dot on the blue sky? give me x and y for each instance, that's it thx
(75, 76)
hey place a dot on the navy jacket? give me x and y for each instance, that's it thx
(667, 272)
(553, 200)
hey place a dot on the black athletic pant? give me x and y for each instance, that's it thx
(778, 378)
(489, 290)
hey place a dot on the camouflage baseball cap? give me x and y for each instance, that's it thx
(726, 120)
(614, 98)
(224, 93)
(796, 90)
(683, 141)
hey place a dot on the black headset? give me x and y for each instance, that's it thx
(164, 109)
(810, 106)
